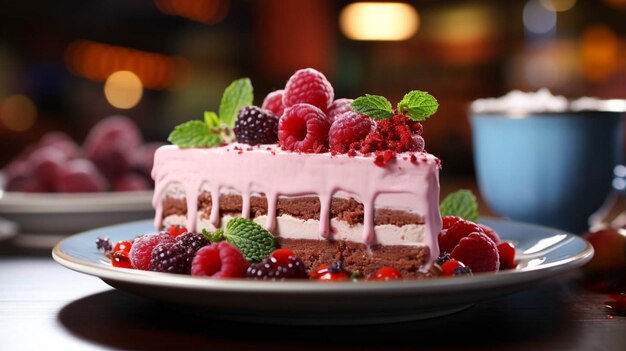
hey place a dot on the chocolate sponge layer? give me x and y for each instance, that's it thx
(306, 207)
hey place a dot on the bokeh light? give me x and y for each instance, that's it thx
(123, 89)
(537, 18)
(379, 21)
(558, 5)
(97, 61)
(18, 113)
(600, 52)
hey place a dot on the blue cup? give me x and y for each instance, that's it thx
(554, 169)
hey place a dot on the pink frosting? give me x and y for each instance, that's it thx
(273, 172)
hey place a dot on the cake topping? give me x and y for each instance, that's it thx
(304, 128)
(347, 129)
(308, 86)
(339, 107)
(256, 126)
(274, 102)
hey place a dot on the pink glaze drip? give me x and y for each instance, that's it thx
(275, 173)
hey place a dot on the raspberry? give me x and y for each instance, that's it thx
(350, 127)
(338, 108)
(386, 273)
(304, 128)
(490, 233)
(273, 269)
(141, 250)
(308, 86)
(478, 252)
(449, 221)
(506, 251)
(450, 238)
(256, 126)
(274, 102)
(220, 260)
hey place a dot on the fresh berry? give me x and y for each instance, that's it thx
(443, 258)
(449, 221)
(609, 247)
(277, 268)
(192, 241)
(170, 258)
(104, 244)
(308, 86)
(274, 102)
(141, 250)
(386, 273)
(120, 259)
(131, 182)
(282, 256)
(255, 126)
(330, 273)
(45, 164)
(80, 176)
(490, 233)
(450, 238)
(123, 245)
(176, 230)
(348, 128)
(451, 267)
(339, 107)
(506, 251)
(219, 260)
(304, 128)
(478, 252)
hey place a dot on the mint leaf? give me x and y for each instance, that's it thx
(214, 237)
(418, 105)
(461, 203)
(194, 134)
(237, 95)
(211, 120)
(254, 241)
(373, 106)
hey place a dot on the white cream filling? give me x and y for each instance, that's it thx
(294, 228)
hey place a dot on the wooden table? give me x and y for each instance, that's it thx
(44, 306)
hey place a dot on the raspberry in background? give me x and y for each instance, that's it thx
(274, 102)
(478, 252)
(308, 86)
(80, 176)
(219, 260)
(303, 128)
(141, 250)
(255, 126)
(339, 107)
(350, 127)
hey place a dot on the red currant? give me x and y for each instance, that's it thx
(282, 256)
(506, 251)
(176, 230)
(329, 273)
(447, 269)
(120, 259)
(386, 273)
(123, 245)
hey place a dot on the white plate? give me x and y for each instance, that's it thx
(543, 253)
(62, 213)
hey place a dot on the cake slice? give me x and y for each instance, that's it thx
(329, 181)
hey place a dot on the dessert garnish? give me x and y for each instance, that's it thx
(215, 129)
(254, 241)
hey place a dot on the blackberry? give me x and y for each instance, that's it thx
(271, 269)
(192, 241)
(255, 126)
(104, 244)
(170, 258)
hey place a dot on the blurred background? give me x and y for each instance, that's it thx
(66, 64)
